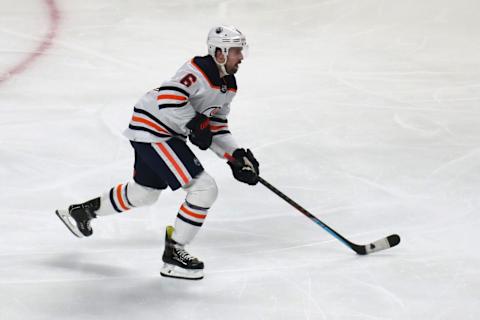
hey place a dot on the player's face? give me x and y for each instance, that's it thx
(235, 57)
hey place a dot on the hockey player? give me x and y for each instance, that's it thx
(194, 104)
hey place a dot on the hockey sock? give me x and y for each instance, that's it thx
(188, 222)
(124, 197)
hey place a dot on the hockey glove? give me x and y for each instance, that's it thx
(200, 134)
(245, 167)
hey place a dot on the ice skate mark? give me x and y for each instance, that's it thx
(419, 125)
(463, 161)
(380, 289)
(45, 44)
(393, 101)
(310, 303)
(391, 191)
(449, 94)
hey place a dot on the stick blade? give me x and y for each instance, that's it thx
(393, 240)
(380, 244)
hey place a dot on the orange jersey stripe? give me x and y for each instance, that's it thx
(175, 164)
(218, 127)
(119, 197)
(150, 123)
(191, 213)
(229, 157)
(171, 97)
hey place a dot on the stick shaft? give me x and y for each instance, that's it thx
(306, 213)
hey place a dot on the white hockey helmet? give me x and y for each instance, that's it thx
(225, 37)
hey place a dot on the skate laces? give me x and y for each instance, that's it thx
(183, 254)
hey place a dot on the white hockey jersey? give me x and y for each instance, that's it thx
(164, 112)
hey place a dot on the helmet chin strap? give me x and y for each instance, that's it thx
(221, 66)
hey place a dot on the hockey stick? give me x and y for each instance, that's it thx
(380, 244)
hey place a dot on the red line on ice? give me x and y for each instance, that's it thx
(46, 43)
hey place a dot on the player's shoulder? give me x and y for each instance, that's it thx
(207, 68)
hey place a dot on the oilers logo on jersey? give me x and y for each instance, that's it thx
(211, 111)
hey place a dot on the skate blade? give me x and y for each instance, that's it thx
(65, 217)
(172, 271)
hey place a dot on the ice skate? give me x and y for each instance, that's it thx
(178, 263)
(77, 217)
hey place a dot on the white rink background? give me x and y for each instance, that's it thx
(365, 112)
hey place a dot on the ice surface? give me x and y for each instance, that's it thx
(365, 112)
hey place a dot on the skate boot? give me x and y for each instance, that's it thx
(81, 214)
(178, 263)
